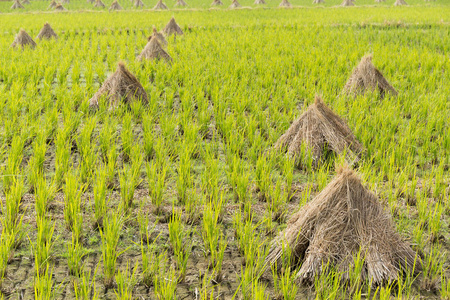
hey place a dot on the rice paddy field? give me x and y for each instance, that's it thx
(182, 197)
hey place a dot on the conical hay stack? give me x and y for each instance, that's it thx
(347, 3)
(16, 5)
(320, 127)
(52, 4)
(46, 33)
(342, 220)
(160, 5)
(235, 4)
(59, 7)
(161, 39)
(153, 50)
(172, 27)
(90, 1)
(115, 6)
(65, 1)
(400, 2)
(180, 3)
(26, 2)
(367, 78)
(259, 2)
(318, 1)
(99, 3)
(216, 3)
(285, 3)
(138, 3)
(120, 86)
(23, 39)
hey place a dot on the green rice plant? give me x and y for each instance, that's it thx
(277, 200)
(166, 283)
(327, 284)
(12, 167)
(126, 280)
(263, 177)
(432, 269)
(184, 178)
(75, 254)
(5, 251)
(288, 173)
(129, 180)
(127, 136)
(99, 194)
(44, 244)
(210, 176)
(12, 217)
(259, 291)
(43, 284)
(36, 163)
(354, 282)
(107, 136)
(181, 244)
(44, 193)
(111, 166)
(445, 287)
(85, 288)
(148, 136)
(62, 155)
(288, 288)
(151, 262)
(110, 234)
(212, 236)
(435, 221)
(73, 190)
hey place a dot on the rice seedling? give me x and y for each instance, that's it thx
(85, 287)
(180, 244)
(110, 234)
(156, 176)
(75, 253)
(73, 190)
(126, 280)
(12, 220)
(129, 180)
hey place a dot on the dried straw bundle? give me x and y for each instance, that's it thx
(59, 7)
(347, 3)
(23, 39)
(16, 5)
(235, 4)
(46, 33)
(318, 1)
(259, 2)
(52, 4)
(367, 78)
(319, 127)
(99, 3)
(115, 6)
(172, 27)
(26, 2)
(138, 3)
(160, 5)
(154, 51)
(342, 220)
(161, 39)
(180, 3)
(285, 3)
(65, 1)
(216, 3)
(120, 86)
(400, 3)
